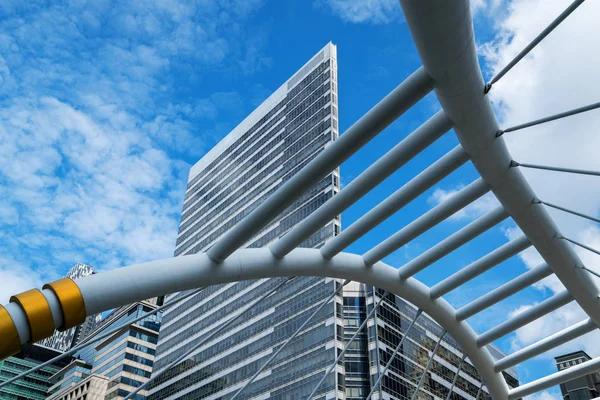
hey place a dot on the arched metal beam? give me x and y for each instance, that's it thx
(126, 285)
(443, 34)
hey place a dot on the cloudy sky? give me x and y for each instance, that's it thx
(105, 106)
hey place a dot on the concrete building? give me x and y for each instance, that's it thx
(583, 388)
(272, 144)
(113, 367)
(65, 340)
(35, 385)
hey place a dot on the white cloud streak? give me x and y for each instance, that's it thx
(92, 131)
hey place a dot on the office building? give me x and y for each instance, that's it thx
(35, 385)
(583, 388)
(265, 150)
(281, 136)
(113, 367)
(366, 359)
(65, 340)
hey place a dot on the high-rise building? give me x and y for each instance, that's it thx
(64, 340)
(366, 359)
(265, 150)
(281, 136)
(583, 388)
(35, 385)
(113, 367)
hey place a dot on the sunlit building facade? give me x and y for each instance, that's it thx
(272, 144)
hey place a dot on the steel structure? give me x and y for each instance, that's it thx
(443, 33)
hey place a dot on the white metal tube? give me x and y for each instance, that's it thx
(374, 121)
(478, 267)
(508, 289)
(399, 155)
(426, 221)
(555, 379)
(527, 316)
(453, 242)
(548, 343)
(415, 187)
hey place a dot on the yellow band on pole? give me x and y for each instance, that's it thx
(10, 343)
(71, 301)
(38, 313)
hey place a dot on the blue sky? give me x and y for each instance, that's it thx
(105, 107)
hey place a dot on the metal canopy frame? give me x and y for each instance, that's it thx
(443, 34)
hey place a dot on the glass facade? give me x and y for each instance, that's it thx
(583, 388)
(389, 325)
(279, 138)
(35, 385)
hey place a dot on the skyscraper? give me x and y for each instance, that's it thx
(63, 341)
(265, 150)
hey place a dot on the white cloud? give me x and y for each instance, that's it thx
(558, 75)
(93, 130)
(363, 11)
(482, 205)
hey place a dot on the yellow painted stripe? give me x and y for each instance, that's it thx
(38, 313)
(71, 301)
(10, 344)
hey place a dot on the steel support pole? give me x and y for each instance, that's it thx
(401, 197)
(557, 378)
(393, 160)
(524, 318)
(500, 293)
(296, 333)
(404, 96)
(557, 169)
(478, 267)
(545, 344)
(550, 118)
(453, 242)
(426, 221)
(393, 356)
(535, 41)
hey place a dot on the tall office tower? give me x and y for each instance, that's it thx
(583, 388)
(63, 341)
(264, 151)
(387, 327)
(35, 385)
(116, 365)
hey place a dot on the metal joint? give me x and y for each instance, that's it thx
(71, 302)
(38, 313)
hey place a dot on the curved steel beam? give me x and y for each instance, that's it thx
(127, 285)
(443, 34)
